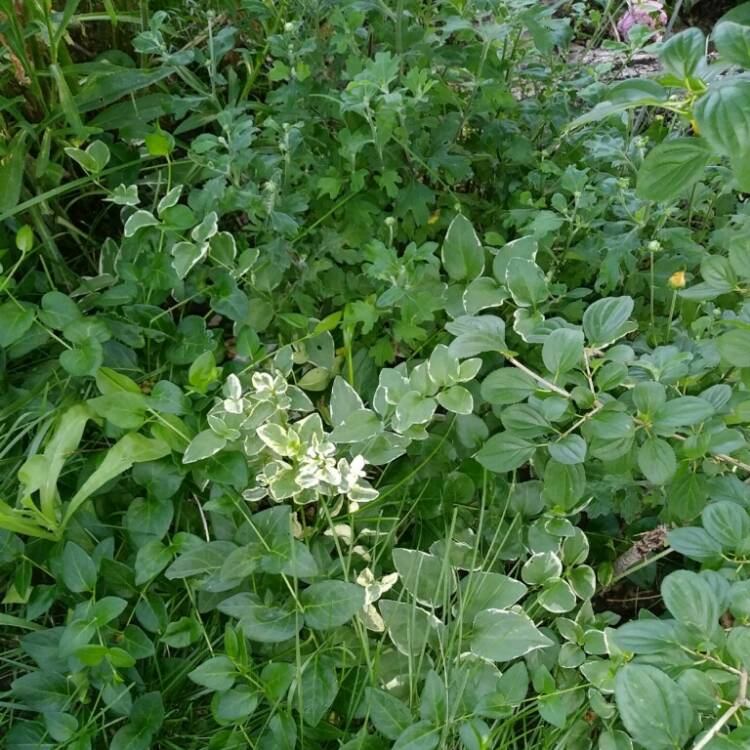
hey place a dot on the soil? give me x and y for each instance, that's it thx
(705, 13)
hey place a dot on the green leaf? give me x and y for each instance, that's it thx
(356, 426)
(526, 282)
(317, 689)
(148, 712)
(344, 401)
(568, 450)
(182, 632)
(216, 673)
(139, 220)
(727, 523)
(151, 559)
(186, 255)
(426, 577)
(524, 248)
(557, 596)
(107, 609)
(721, 114)
(734, 347)
(456, 399)
(79, 570)
(694, 542)
(657, 460)
(130, 449)
(199, 559)
(562, 350)
(654, 709)
(614, 739)
(390, 715)
(672, 167)
(124, 410)
(647, 636)
(16, 320)
(503, 635)
(606, 320)
(203, 372)
(131, 737)
(328, 604)
(682, 53)
(11, 172)
(462, 253)
(204, 445)
(42, 691)
(476, 334)
(485, 590)
(505, 452)
(732, 42)
(84, 358)
(412, 409)
(692, 601)
(684, 411)
(508, 385)
(419, 736)
(268, 624)
(61, 726)
(411, 628)
(234, 705)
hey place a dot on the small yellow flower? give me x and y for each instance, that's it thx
(434, 216)
(677, 280)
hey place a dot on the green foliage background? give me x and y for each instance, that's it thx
(374, 375)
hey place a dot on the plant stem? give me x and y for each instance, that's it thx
(539, 379)
(739, 702)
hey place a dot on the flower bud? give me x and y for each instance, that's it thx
(677, 280)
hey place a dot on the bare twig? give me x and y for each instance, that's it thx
(539, 379)
(739, 702)
(203, 518)
(583, 419)
(649, 542)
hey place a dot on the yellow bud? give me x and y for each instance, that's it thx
(695, 127)
(434, 216)
(677, 280)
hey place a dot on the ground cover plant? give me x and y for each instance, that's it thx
(374, 375)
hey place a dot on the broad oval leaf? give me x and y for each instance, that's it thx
(328, 604)
(427, 578)
(505, 452)
(653, 707)
(672, 167)
(692, 601)
(723, 116)
(504, 635)
(462, 252)
(606, 320)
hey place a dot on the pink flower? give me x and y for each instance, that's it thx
(644, 13)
